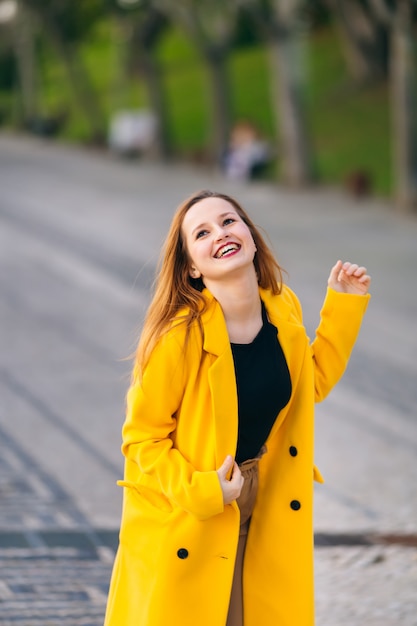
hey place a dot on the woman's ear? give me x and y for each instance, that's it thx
(194, 273)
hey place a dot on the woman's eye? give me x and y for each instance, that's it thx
(228, 220)
(201, 233)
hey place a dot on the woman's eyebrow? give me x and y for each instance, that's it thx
(198, 227)
(205, 223)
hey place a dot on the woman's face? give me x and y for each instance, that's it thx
(218, 242)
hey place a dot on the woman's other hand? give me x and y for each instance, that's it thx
(231, 488)
(349, 278)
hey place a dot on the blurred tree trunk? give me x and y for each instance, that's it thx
(211, 27)
(279, 23)
(287, 84)
(147, 28)
(152, 74)
(121, 34)
(24, 46)
(216, 58)
(404, 109)
(81, 85)
(363, 39)
(403, 87)
(80, 82)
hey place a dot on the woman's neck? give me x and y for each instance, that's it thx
(241, 306)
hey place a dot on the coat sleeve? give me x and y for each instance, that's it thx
(340, 321)
(147, 433)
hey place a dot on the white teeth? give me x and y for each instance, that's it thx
(227, 249)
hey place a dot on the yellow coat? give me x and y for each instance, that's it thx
(178, 542)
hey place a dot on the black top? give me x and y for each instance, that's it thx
(263, 388)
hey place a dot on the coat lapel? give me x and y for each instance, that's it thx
(292, 337)
(222, 381)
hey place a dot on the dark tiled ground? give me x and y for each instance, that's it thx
(61, 586)
(54, 568)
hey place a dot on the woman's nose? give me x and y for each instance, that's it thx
(221, 233)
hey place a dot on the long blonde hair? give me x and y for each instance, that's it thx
(175, 290)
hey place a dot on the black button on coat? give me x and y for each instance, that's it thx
(182, 553)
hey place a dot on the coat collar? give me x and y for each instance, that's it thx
(278, 308)
(216, 339)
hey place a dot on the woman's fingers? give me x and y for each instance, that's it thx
(237, 478)
(334, 273)
(225, 468)
(349, 278)
(231, 488)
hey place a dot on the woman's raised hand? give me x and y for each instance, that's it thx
(231, 488)
(349, 278)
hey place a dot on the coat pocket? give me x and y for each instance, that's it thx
(148, 497)
(317, 475)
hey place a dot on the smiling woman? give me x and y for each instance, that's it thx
(218, 437)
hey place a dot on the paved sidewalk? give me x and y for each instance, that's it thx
(79, 237)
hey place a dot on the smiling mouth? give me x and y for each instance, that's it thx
(227, 249)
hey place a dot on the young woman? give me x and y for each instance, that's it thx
(217, 517)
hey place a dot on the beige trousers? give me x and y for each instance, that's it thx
(246, 502)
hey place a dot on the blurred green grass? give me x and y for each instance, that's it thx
(350, 126)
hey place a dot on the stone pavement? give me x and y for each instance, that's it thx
(79, 237)
(54, 567)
